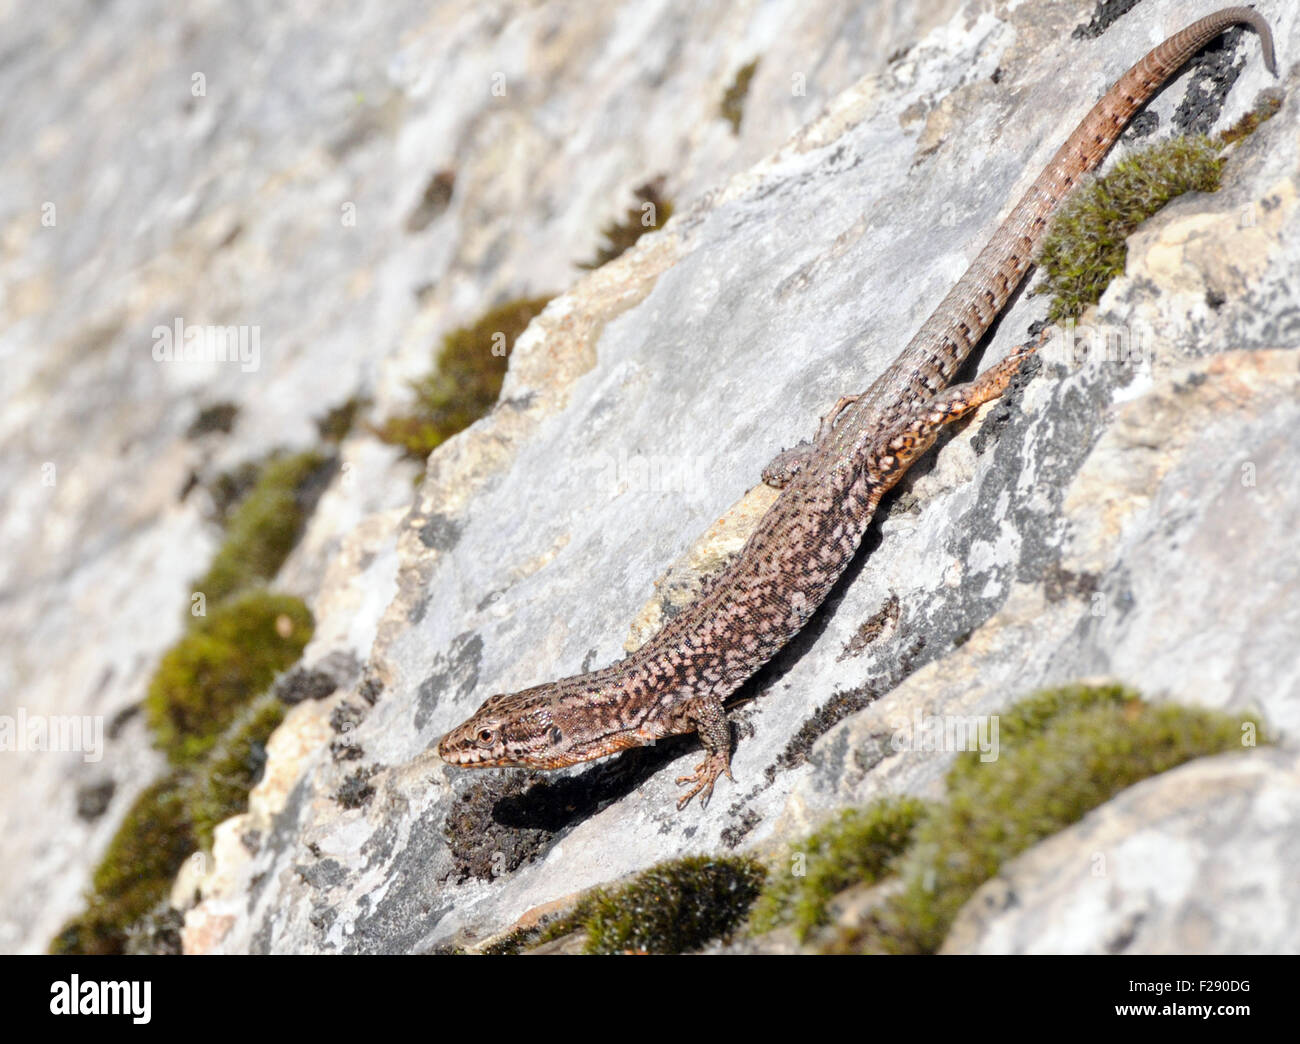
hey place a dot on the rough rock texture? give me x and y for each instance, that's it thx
(1134, 517)
(1198, 860)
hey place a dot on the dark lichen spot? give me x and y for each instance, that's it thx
(219, 418)
(356, 790)
(225, 661)
(93, 799)
(732, 107)
(452, 675)
(433, 204)
(839, 707)
(651, 212)
(1104, 15)
(122, 719)
(326, 873)
(465, 381)
(305, 683)
(733, 835)
(1214, 71)
(440, 532)
(1060, 583)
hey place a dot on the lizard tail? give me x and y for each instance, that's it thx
(957, 325)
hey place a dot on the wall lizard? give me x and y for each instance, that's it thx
(677, 682)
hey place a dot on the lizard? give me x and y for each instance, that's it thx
(830, 488)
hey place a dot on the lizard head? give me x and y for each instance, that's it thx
(512, 729)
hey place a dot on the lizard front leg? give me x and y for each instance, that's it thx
(705, 715)
(789, 462)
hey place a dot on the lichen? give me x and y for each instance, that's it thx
(232, 768)
(652, 211)
(217, 418)
(1085, 248)
(1062, 753)
(216, 670)
(859, 846)
(733, 101)
(266, 524)
(465, 381)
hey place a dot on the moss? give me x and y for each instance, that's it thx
(733, 101)
(465, 381)
(1085, 248)
(857, 847)
(227, 659)
(264, 528)
(233, 768)
(675, 907)
(1062, 753)
(1265, 109)
(136, 872)
(336, 423)
(652, 211)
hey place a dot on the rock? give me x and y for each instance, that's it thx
(1197, 860)
(1133, 518)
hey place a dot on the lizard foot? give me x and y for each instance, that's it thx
(706, 774)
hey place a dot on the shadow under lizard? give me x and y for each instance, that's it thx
(678, 681)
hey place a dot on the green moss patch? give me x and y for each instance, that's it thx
(266, 524)
(465, 381)
(651, 211)
(1085, 248)
(127, 909)
(1062, 753)
(674, 907)
(233, 768)
(136, 872)
(226, 660)
(336, 423)
(733, 101)
(857, 847)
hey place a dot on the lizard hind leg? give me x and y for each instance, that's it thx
(706, 715)
(917, 432)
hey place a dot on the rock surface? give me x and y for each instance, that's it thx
(1197, 860)
(1135, 517)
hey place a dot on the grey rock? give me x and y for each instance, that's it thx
(1197, 860)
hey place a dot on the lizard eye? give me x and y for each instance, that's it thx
(556, 734)
(485, 737)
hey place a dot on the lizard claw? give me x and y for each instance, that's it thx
(706, 774)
